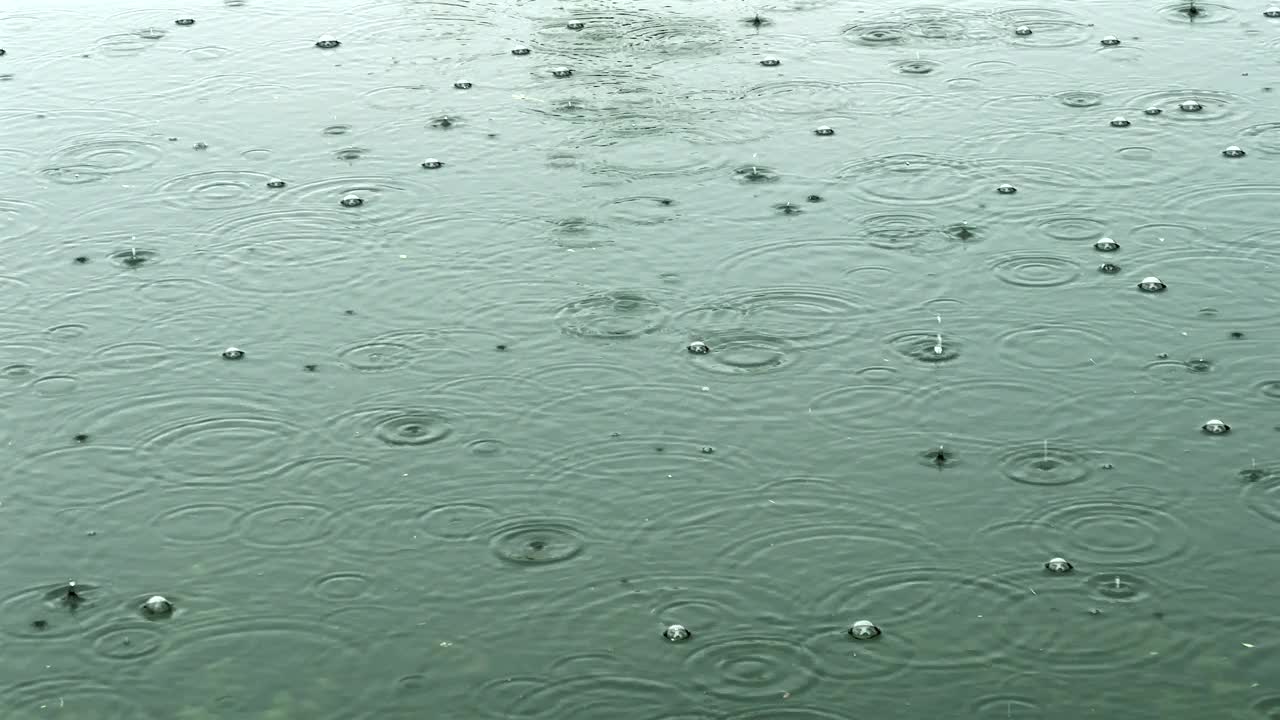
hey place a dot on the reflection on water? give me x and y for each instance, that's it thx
(466, 463)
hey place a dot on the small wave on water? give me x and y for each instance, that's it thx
(942, 27)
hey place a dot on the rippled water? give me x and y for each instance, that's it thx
(467, 465)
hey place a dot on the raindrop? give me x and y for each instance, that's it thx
(1109, 268)
(864, 630)
(1190, 106)
(275, 183)
(520, 50)
(432, 164)
(575, 25)
(1216, 427)
(184, 22)
(1119, 122)
(462, 85)
(351, 200)
(1058, 565)
(1006, 189)
(676, 633)
(1152, 111)
(1233, 151)
(1106, 244)
(1151, 284)
(823, 130)
(328, 42)
(561, 72)
(697, 347)
(1271, 12)
(1110, 41)
(233, 353)
(770, 62)
(1022, 30)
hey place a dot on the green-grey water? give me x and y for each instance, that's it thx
(467, 467)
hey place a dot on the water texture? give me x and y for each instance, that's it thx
(377, 360)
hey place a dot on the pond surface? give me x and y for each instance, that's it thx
(374, 360)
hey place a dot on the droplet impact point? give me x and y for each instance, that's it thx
(157, 606)
(1216, 427)
(1151, 284)
(1058, 565)
(864, 630)
(676, 633)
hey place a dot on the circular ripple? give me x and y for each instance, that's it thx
(1049, 28)
(1214, 270)
(536, 541)
(1263, 138)
(51, 694)
(910, 178)
(285, 525)
(1218, 106)
(598, 694)
(803, 96)
(1111, 529)
(341, 587)
(115, 472)
(198, 523)
(923, 346)
(1054, 345)
(457, 520)
(296, 251)
(1056, 622)
(387, 200)
(1036, 270)
(924, 604)
(1073, 228)
(808, 316)
(129, 641)
(214, 190)
(926, 27)
(1046, 464)
(93, 157)
(20, 218)
(752, 665)
(862, 407)
(412, 428)
(43, 602)
(916, 66)
(1207, 13)
(743, 352)
(613, 314)
(278, 643)
(221, 446)
(377, 355)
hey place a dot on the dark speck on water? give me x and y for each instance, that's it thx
(588, 347)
